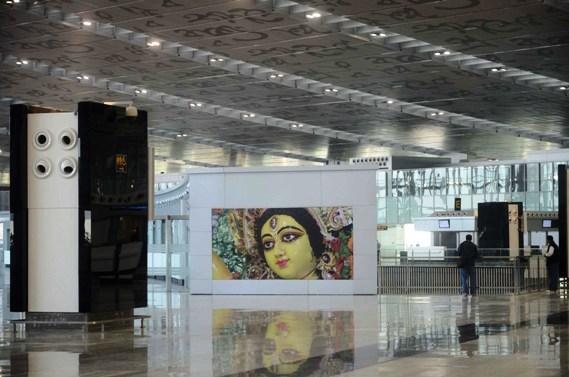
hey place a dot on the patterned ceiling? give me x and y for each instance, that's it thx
(276, 35)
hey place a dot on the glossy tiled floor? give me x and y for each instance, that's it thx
(308, 336)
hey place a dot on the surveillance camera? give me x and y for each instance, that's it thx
(131, 111)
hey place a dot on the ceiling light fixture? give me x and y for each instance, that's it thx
(86, 23)
(313, 15)
(562, 88)
(389, 102)
(439, 53)
(153, 44)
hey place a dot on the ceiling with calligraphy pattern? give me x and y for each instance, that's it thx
(522, 34)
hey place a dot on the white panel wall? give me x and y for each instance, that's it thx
(53, 201)
(284, 187)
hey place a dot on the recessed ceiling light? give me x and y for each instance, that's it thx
(87, 23)
(25, 62)
(313, 15)
(144, 91)
(440, 113)
(447, 52)
(562, 88)
(433, 114)
(153, 44)
(179, 135)
(184, 135)
(389, 102)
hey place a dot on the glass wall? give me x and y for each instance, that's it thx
(405, 194)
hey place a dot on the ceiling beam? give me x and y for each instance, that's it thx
(440, 54)
(199, 106)
(172, 135)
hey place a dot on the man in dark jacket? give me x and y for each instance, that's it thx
(468, 253)
(552, 257)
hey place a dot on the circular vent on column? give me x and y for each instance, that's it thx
(42, 140)
(68, 138)
(42, 168)
(68, 167)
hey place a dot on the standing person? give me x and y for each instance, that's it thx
(551, 254)
(468, 253)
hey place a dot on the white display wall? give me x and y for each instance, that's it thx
(286, 187)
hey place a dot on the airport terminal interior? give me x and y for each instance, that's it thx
(284, 188)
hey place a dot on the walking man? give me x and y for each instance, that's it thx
(468, 253)
(551, 254)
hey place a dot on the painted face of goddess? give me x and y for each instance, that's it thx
(287, 343)
(287, 248)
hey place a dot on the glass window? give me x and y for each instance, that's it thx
(533, 177)
(478, 179)
(546, 176)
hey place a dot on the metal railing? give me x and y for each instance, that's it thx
(405, 273)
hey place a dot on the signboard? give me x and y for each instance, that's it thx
(457, 204)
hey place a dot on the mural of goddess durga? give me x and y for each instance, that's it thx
(282, 243)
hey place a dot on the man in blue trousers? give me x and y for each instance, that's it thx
(468, 253)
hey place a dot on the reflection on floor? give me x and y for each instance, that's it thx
(308, 336)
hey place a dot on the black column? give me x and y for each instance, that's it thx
(19, 208)
(563, 244)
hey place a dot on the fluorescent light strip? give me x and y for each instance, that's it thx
(400, 42)
(294, 81)
(186, 162)
(216, 110)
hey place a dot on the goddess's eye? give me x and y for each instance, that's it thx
(268, 244)
(289, 237)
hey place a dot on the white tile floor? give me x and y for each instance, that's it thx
(308, 336)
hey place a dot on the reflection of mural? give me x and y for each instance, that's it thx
(282, 243)
(285, 343)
